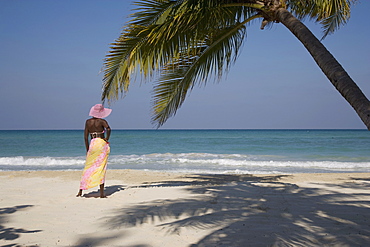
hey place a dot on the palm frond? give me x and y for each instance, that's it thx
(213, 57)
(159, 31)
(331, 14)
(127, 53)
(339, 14)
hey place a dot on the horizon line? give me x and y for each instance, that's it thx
(154, 129)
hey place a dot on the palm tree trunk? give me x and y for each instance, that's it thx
(329, 65)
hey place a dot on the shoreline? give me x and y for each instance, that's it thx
(149, 208)
(143, 176)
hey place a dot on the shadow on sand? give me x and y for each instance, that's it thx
(258, 211)
(109, 190)
(10, 233)
(90, 241)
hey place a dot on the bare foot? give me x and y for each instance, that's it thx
(79, 193)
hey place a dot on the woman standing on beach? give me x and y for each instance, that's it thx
(97, 151)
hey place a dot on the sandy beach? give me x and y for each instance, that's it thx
(39, 208)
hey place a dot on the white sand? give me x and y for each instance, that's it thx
(172, 210)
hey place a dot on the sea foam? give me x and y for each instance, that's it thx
(188, 162)
(41, 161)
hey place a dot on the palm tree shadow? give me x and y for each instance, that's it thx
(257, 211)
(91, 240)
(109, 190)
(196, 180)
(11, 233)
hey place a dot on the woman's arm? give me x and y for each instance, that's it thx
(86, 137)
(107, 128)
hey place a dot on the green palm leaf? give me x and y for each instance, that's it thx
(214, 56)
(130, 52)
(331, 14)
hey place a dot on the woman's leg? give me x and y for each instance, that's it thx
(102, 195)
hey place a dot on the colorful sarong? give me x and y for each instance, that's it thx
(96, 164)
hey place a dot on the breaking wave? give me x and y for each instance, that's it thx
(192, 162)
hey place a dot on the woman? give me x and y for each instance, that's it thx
(97, 151)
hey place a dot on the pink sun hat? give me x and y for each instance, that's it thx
(99, 111)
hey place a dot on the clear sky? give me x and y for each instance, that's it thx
(51, 54)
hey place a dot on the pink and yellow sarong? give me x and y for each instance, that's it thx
(96, 164)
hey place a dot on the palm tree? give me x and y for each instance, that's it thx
(187, 42)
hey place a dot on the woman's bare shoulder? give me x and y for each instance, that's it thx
(96, 122)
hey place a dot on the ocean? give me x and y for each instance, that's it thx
(194, 151)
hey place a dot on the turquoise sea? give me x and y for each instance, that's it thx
(195, 151)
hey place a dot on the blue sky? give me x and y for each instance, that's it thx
(51, 54)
